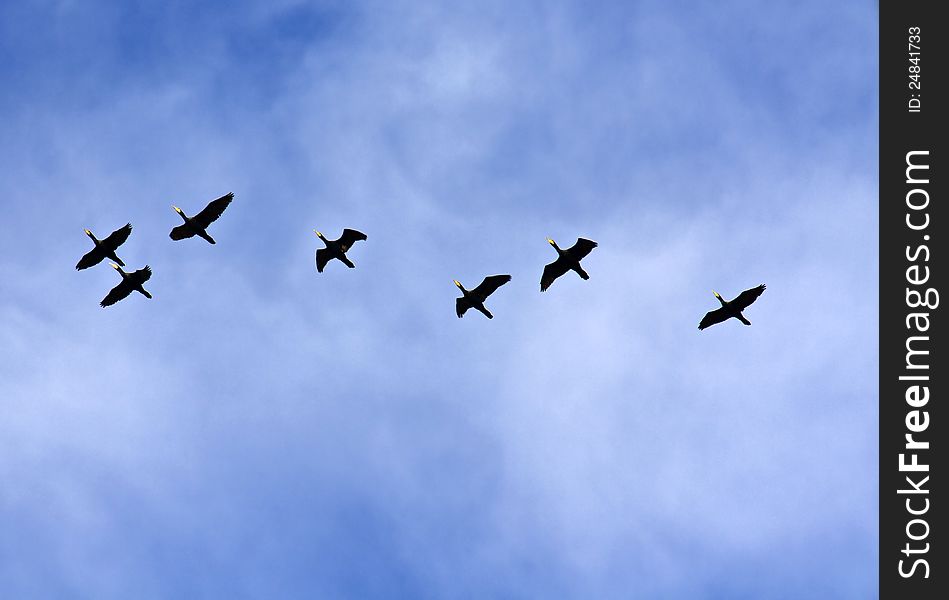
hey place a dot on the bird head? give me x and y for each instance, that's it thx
(716, 294)
(458, 283)
(551, 242)
(89, 233)
(177, 210)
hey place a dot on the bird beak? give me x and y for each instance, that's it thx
(317, 233)
(550, 241)
(457, 282)
(714, 293)
(87, 232)
(114, 266)
(177, 210)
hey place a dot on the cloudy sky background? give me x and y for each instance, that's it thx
(258, 430)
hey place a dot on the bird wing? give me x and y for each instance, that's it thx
(461, 305)
(745, 298)
(213, 210)
(322, 257)
(181, 232)
(350, 237)
(581, 248)
(118, 237)
(141, 276)
(489, 285)
(552, 272)
(91, 258)
(117, 293)
(713, 316)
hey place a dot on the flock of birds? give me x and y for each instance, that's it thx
(567, 260)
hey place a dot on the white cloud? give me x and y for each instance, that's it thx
(578, 442)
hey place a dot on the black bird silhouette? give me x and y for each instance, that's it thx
(130, 282)
(104, 248)
(568, 259)
(475, 298)
(197, 224)
(337, 248)
(733, 308)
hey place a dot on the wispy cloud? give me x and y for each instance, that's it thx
(257, 429)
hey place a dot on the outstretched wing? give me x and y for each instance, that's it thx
(581, 248)
(89, 259)
(322, 257)
(552, 272)
(461, 305)
(141, 276)
(117, 293)
(350, 237)
(181, 232)
(713, 316)
(745, 298)
(117, 237)
(489, 285)
(213, 210)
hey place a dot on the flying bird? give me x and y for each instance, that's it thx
(733, 308)
(104, 248)
(475, 298)
(197, 224)
(337, 248)
(130, 282)
(568, 259)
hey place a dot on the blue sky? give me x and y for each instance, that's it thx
(258, 430)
